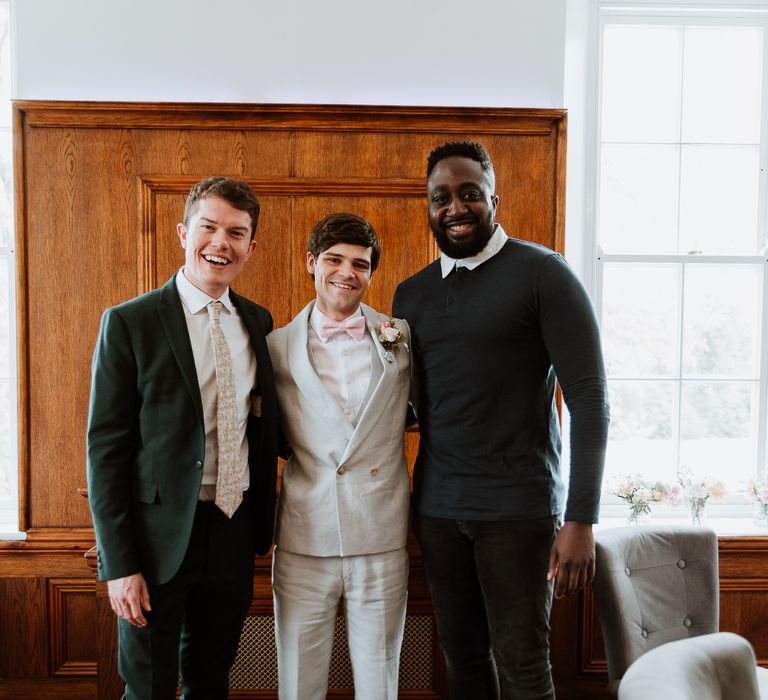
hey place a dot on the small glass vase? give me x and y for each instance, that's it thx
(760, 514)
(638, 513)
(697, 509)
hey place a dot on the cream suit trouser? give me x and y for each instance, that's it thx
(307, 591)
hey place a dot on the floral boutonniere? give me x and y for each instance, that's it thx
(391, 339)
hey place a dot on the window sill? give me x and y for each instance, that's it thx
(724, 527)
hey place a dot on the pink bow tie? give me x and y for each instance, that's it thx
(354, 327)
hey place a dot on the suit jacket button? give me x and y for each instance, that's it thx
(198, 464)
(340, 471)
(374, 471)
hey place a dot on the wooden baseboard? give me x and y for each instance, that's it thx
(48, 689)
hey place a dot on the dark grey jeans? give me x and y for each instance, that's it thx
(491, 600)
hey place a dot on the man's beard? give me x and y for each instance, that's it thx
(466, 248)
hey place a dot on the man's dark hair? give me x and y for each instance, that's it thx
(238, 193)
(344, 227)
(465, 149)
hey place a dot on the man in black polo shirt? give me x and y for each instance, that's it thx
(495, 322)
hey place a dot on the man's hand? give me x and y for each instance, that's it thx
(129, 597)
(572, 560)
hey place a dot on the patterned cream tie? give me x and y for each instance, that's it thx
(229, 483)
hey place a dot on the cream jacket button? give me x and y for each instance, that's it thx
(341, 470)
(374, 471)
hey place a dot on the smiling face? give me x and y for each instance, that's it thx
(216, 243)
(342, 274)
(462, 206)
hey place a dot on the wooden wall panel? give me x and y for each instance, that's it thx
(200, 153)
(102, 187)
(742, 610)
(100, 190)
(23, 653)
(75, 221)
(70, 603)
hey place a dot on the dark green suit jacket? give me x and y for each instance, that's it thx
(146, 437)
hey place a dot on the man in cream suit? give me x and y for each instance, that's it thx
(342, 373)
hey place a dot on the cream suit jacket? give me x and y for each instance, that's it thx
(345, 488)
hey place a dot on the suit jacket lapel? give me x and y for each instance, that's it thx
(264, 377)
(379, 402)
(306, 378)
(175, 325)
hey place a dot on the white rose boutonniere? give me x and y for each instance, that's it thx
(391, 339)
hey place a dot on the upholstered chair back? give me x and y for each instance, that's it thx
(653, 585)
(710, 667)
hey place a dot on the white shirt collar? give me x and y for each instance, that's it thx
(195, 299)
(498, 239)
(315, 314)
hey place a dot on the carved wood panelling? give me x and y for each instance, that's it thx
(592, 659)
(71, 607)
(100, 189)
(49, 689)
(23, 629)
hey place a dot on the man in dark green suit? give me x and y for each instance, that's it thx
(183, 498)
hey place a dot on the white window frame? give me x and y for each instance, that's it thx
(9, 507)
(700, 14)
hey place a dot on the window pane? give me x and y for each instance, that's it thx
(640, 319)
(6, 173)
(641, 83)
(721, 320)
(721, 84)
(717, 433)
(718, 199)
(7, 490)
(640, 437)
(638, 199)
(5, 310)
(5, 66)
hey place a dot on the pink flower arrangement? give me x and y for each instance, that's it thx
(638, 494)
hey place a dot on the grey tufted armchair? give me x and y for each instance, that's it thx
(654, 584)
(717, 666)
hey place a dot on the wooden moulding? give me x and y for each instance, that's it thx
(281, 117)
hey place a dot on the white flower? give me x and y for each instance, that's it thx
(390, 334)
(695, 490)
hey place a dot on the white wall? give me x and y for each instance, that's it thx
(506, 53)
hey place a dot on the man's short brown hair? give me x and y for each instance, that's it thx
(238, 193)
(344, 227)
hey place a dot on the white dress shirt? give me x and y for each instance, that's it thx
(343, 364)
(195, 304)
(494, 245)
